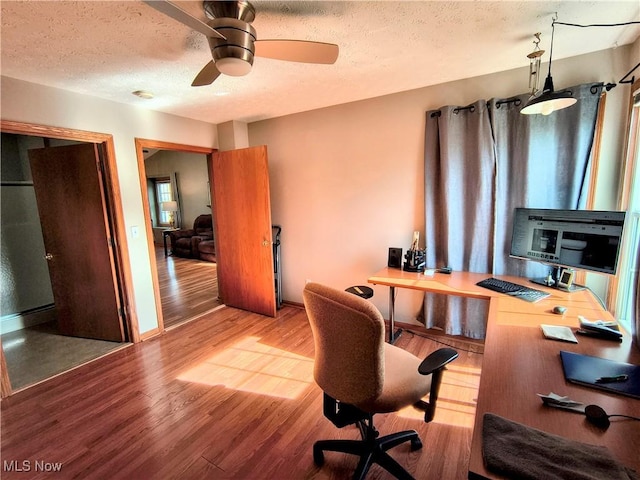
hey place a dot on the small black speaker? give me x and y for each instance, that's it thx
(395, 258)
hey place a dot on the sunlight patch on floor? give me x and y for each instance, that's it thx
(457, 398)
(251, 366)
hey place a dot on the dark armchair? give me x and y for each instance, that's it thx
(184, 242)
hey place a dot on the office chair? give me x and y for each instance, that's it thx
(361, 375)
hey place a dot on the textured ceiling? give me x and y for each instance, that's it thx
(109, 49)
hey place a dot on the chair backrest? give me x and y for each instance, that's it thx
(348, 333)
(203, 224)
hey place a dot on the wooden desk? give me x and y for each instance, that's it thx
(519, 362)
(462, 284)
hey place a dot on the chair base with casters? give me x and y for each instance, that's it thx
(372, 449)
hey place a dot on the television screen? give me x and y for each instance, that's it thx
(582, 239)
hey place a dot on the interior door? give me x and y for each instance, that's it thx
(242, 212)
(75, 226)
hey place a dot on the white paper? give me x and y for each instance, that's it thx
(555, 332)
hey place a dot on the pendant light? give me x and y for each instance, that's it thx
(549, 100)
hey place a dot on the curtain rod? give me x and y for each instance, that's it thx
(517, 101)
(472, 107)
(632, 79)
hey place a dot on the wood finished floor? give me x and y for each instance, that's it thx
(188, 287)
(229, 395)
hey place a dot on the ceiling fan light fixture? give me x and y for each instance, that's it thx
(232, 39)
(242, 10)
(234, 55)
(235, 67)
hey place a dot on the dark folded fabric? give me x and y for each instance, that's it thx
(524, 453)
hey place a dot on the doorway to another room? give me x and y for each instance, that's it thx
(188, 288)
(52, 186)
(182, 246)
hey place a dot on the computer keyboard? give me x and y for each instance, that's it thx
(513, 289)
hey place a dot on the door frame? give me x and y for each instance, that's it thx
(141, 144)
(113, 205)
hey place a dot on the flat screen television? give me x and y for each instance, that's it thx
(569, 239)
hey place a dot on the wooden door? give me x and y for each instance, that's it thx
(75, 226)
(242, 213)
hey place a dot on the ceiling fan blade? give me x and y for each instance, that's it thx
(297, 51)
(207, 75)
(175, 12)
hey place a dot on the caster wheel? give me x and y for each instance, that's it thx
(318, 457)
(416, 444)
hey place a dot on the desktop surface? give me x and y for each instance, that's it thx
(519, 363)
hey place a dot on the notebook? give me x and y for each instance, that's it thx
(586, 370)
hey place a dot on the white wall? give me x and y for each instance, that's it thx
(347, 181)
(31, 103)
(24, 274)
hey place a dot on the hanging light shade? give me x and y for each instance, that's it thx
(548, 100)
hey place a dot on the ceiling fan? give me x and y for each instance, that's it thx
(233, 40)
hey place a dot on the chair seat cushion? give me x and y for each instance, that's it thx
(403, 385)
(207, 246)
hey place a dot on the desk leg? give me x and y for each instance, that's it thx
(393, 335)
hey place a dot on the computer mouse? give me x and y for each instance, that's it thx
(597, 416)
(559, 310)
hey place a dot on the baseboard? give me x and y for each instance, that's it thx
(29, 318)
(150, 334)
(289, 303)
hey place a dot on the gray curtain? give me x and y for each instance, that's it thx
(482, 161)
(543, 162)
(459, 176)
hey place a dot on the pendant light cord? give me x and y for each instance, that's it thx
(555, 21)
(553, 31)
(597, 24)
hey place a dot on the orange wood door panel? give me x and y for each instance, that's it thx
(70, 196)
(242, 212)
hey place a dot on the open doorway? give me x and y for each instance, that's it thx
(42, 333)
(177, 203)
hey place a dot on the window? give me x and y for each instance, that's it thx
(163, 193)
(630, 201)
